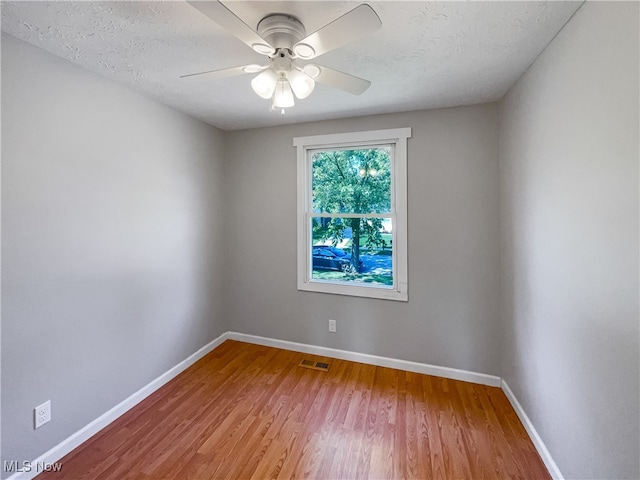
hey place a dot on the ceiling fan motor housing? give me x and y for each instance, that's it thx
(281, 31)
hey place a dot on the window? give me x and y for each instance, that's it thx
(352, 213)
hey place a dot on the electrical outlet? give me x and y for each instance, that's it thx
(42, 414)
(332, 325)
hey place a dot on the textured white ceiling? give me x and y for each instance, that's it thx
(426, 55)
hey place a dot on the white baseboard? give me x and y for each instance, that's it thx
(446, 372)
(533, 433)
(82, 435)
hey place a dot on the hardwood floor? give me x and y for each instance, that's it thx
(247, 411)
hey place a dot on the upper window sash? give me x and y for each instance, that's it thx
(311, 153)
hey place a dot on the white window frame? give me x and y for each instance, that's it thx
(397, 138)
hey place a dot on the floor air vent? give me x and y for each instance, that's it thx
(315, 365)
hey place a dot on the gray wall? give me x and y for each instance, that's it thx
(569, 183)
(111, 221)
(452, 317)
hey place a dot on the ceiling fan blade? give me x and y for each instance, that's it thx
(228, 20)
(337, 79)
(225, 72)
(347, 28)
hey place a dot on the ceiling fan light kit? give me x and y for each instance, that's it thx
(301, 83)
(265, 84)
(283, 95)
(282, 38)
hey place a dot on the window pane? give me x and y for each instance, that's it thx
(352, 250)
(352, 181)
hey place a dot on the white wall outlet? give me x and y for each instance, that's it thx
(42, 414)
(332, 325)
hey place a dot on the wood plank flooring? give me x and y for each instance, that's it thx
(246, 411)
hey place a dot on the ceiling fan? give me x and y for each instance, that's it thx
(283, 39)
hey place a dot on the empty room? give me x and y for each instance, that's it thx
(320, 240)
